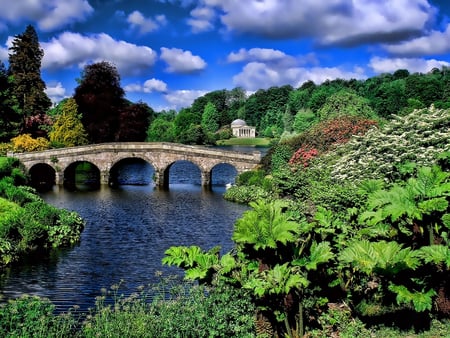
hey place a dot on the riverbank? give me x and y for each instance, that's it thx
(256, 141)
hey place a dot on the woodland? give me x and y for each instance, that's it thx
(347, 234)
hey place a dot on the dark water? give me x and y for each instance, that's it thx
(128, 229)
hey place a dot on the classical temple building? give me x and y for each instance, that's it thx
(240, 129)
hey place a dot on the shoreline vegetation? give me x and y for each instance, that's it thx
(319, 254)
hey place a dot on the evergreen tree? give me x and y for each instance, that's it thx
(210, 118)
(100, 99)
(68, 130)
(10, 119)
(25, 67)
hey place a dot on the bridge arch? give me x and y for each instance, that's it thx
(223, 174)
(82, 175)
(42, 176)
(143, 170)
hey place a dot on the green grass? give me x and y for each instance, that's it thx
(260, 142)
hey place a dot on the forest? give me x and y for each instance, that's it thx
(347, 234)
(99, 112)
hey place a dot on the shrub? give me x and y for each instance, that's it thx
(418, 137)
(25, 142)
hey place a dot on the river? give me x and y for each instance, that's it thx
(128, 228)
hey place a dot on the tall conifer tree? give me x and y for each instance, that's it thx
(10, 118)
(25, 67)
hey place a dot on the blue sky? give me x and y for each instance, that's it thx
(169, 52)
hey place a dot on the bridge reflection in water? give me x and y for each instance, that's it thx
(94, 165)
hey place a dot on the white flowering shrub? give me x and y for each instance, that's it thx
(418, 137)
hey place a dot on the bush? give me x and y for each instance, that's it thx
(418, 137)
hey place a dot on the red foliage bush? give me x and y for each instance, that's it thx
(327, 134)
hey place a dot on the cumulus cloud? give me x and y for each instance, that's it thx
(201, 19)
(73, 49)
(256, 54)
(435, 42)
(414, 65)
(145, 25)
(149, 86)
(329, 22)
(56, 92)
(183, 98)
(258, 75)
(49, 14)
(180, 61)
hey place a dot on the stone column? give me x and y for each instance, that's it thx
(206, 178)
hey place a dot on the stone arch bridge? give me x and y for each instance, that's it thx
(160, 155)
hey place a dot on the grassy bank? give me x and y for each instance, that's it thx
(259, 142)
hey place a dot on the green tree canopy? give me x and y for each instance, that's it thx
(10, 118)
(161, 130)
(210, 118)
(345, 102)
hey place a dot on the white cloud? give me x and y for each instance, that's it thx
(435, 42)
(56, 92)
(201, 19)
(329, 22)
(413, 65)
(180, 61)
(149, 86)
(258, 75)
(145, 25)
(49, 14)
(73, 49)
(183, 98)
(256, 54)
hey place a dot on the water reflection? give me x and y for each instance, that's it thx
(128, 229)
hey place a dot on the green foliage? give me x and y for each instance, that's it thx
(210, 118)
(246, 194)
(304, 119)
(161, 130)
(28, 223)
(33, 317)
(24, 65)
(345, 103)
(265, 226)
(10, 117)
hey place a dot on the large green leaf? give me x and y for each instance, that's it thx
(266, 226)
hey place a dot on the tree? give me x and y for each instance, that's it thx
(210, 118)
(25, 68)
(133, 122)
(161, 130)
(345, 102)
(68, 129)
(10, 118)
(100, 99)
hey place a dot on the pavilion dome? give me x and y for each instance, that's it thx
(238, 123)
